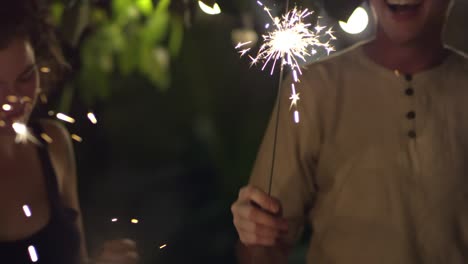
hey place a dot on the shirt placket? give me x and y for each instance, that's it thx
(410, 121)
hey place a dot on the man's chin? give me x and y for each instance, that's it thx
(404, 38)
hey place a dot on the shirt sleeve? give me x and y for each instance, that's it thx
(297, 149)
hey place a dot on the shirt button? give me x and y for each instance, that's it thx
(412, 134)
(411, 115)
(409, 91)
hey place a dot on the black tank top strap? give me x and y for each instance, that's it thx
(47, 168)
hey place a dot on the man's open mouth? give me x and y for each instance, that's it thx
(400, 6)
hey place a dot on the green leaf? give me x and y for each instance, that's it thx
(125, 11)
(154, 64)
(128, 57)
(156, 27)
(176, 35)
(163, 5)
(145, 6)
(56, 11)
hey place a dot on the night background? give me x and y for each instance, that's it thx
(180, 115)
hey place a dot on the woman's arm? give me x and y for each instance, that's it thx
(122, 251)
(63, 160)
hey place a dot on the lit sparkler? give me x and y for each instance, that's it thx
(290, 42)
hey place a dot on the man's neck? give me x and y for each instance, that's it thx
(410, 58)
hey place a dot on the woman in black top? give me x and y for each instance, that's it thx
(40, 218)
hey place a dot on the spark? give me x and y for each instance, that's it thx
(33, 254)
(23, 134)
(65, 118)
(7, 107)
(242, 44)
(296, 116)
(163, 246)
(77, 138)
(329, 50)
(294, 97)
(319, 28)
(244, 51)
(330, 33)
(134, 221)
(21, 131)
(26, 210)
(290, 41)
(45, 69)
(92, 118)
(47, 138)
(113, 220)
(2, 123)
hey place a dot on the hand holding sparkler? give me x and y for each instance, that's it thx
(257, 218)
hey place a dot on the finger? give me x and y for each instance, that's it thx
(244, 226)
(260, 198)
(258, 216)
(254, 240)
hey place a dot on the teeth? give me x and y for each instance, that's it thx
(404, 2)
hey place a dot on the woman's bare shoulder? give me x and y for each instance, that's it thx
(61, 152)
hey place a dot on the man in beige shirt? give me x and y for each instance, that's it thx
(378, 165)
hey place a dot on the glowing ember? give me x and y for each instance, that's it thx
(163, 246)
(33, 254)
(294, 97)
(76, 138)
(134, 221)
(92, 118)
(65, 118)
(296, 116)
(47, 138)
(6, 107)
(26, 210)
(21, 131)
(45, 69)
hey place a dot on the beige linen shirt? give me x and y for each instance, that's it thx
(378, 164)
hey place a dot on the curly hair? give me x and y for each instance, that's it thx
(29, 19)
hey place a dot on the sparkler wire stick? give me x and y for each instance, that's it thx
(278, 103)
(278, 108)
